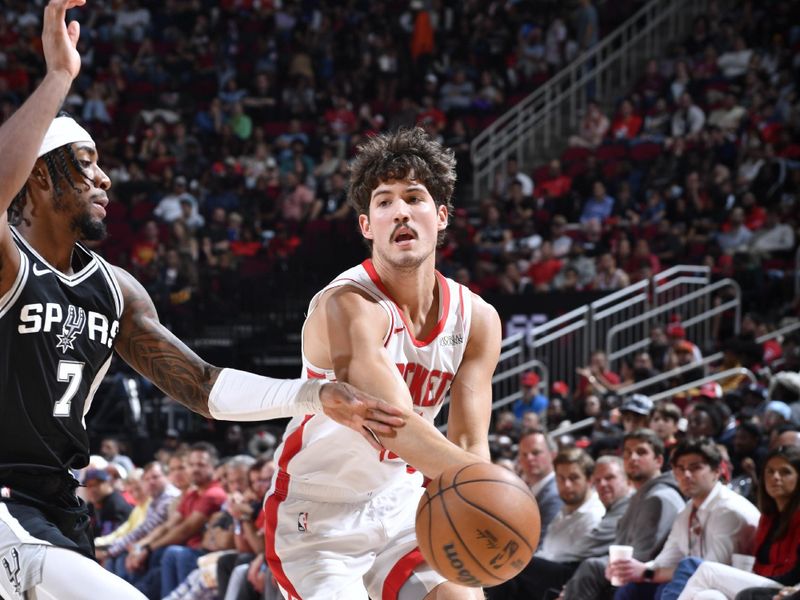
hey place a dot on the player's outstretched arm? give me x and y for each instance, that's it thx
(355, 326)
(150, 348)
(22, 134)
(471, 390)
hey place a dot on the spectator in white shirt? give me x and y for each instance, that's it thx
(734, 63)
(773, 237)
(738, 237)
(542, 577)
(715, 524)
(169, 207)
(504, 180)
(689, 119)
(582, 509)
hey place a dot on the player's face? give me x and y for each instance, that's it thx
(403, 222)
(87, 206)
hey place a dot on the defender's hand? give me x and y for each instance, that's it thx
(361, 412)
(59, 39)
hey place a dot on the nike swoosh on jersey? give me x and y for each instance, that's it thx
(398, 329)
(38, 272)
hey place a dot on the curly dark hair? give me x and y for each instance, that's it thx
(61, 164)
(704, 446)
(396, 155)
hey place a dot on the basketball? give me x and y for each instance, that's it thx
(477, 525)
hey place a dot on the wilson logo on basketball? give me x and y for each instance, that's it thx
(464, 576)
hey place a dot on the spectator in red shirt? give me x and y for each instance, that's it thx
(597, 376)
(341, 120)
(431, 114)
(627, 123)
(544, 268)
(557, 184)
(173, 553)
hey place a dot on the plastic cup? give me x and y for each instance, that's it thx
(618, 552)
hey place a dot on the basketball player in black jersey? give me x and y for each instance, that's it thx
(63, 311)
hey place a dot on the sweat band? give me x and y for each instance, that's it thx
(241, 396)
(63, 131)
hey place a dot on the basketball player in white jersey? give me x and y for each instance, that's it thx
(63, 312)
(340, 516)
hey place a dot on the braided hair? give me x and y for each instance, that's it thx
(57, 162)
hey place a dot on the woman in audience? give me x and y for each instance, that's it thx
(777, 544)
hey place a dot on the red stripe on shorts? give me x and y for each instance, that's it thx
(293, 444)
(400, 573)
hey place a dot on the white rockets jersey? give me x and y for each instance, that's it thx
(318, 451)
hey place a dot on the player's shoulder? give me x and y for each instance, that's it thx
(350, 299)
(482, 311)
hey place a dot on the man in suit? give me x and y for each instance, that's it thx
(535, 460)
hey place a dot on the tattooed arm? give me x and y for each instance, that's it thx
(150, 348)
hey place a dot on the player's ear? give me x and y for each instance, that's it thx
(363, 224)
(39, 176)
(442, 215)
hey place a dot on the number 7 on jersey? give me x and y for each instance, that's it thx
(72, 373)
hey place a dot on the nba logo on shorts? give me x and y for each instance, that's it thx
(302, 522)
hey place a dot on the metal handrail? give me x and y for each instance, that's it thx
(577, 426)
(667, 273)
(664, 308)
(537, 121)
(707, 379)
(773, 335)
(645, 383)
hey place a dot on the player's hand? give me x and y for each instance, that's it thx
(59, 40)
(368, 416)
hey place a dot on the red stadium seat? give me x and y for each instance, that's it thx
(575, 153)
(645, 151)
(613, 151)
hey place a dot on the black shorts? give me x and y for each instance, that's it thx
(53, 514)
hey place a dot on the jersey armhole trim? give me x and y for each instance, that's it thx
(13, 294)
(113, 284)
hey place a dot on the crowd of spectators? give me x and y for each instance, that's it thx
(226, 127)
(697, 163)
(643, 474)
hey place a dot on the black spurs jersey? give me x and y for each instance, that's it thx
(56, 338)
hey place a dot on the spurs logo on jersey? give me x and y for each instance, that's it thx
(73, 327)
(12, 569)
(38, 317)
